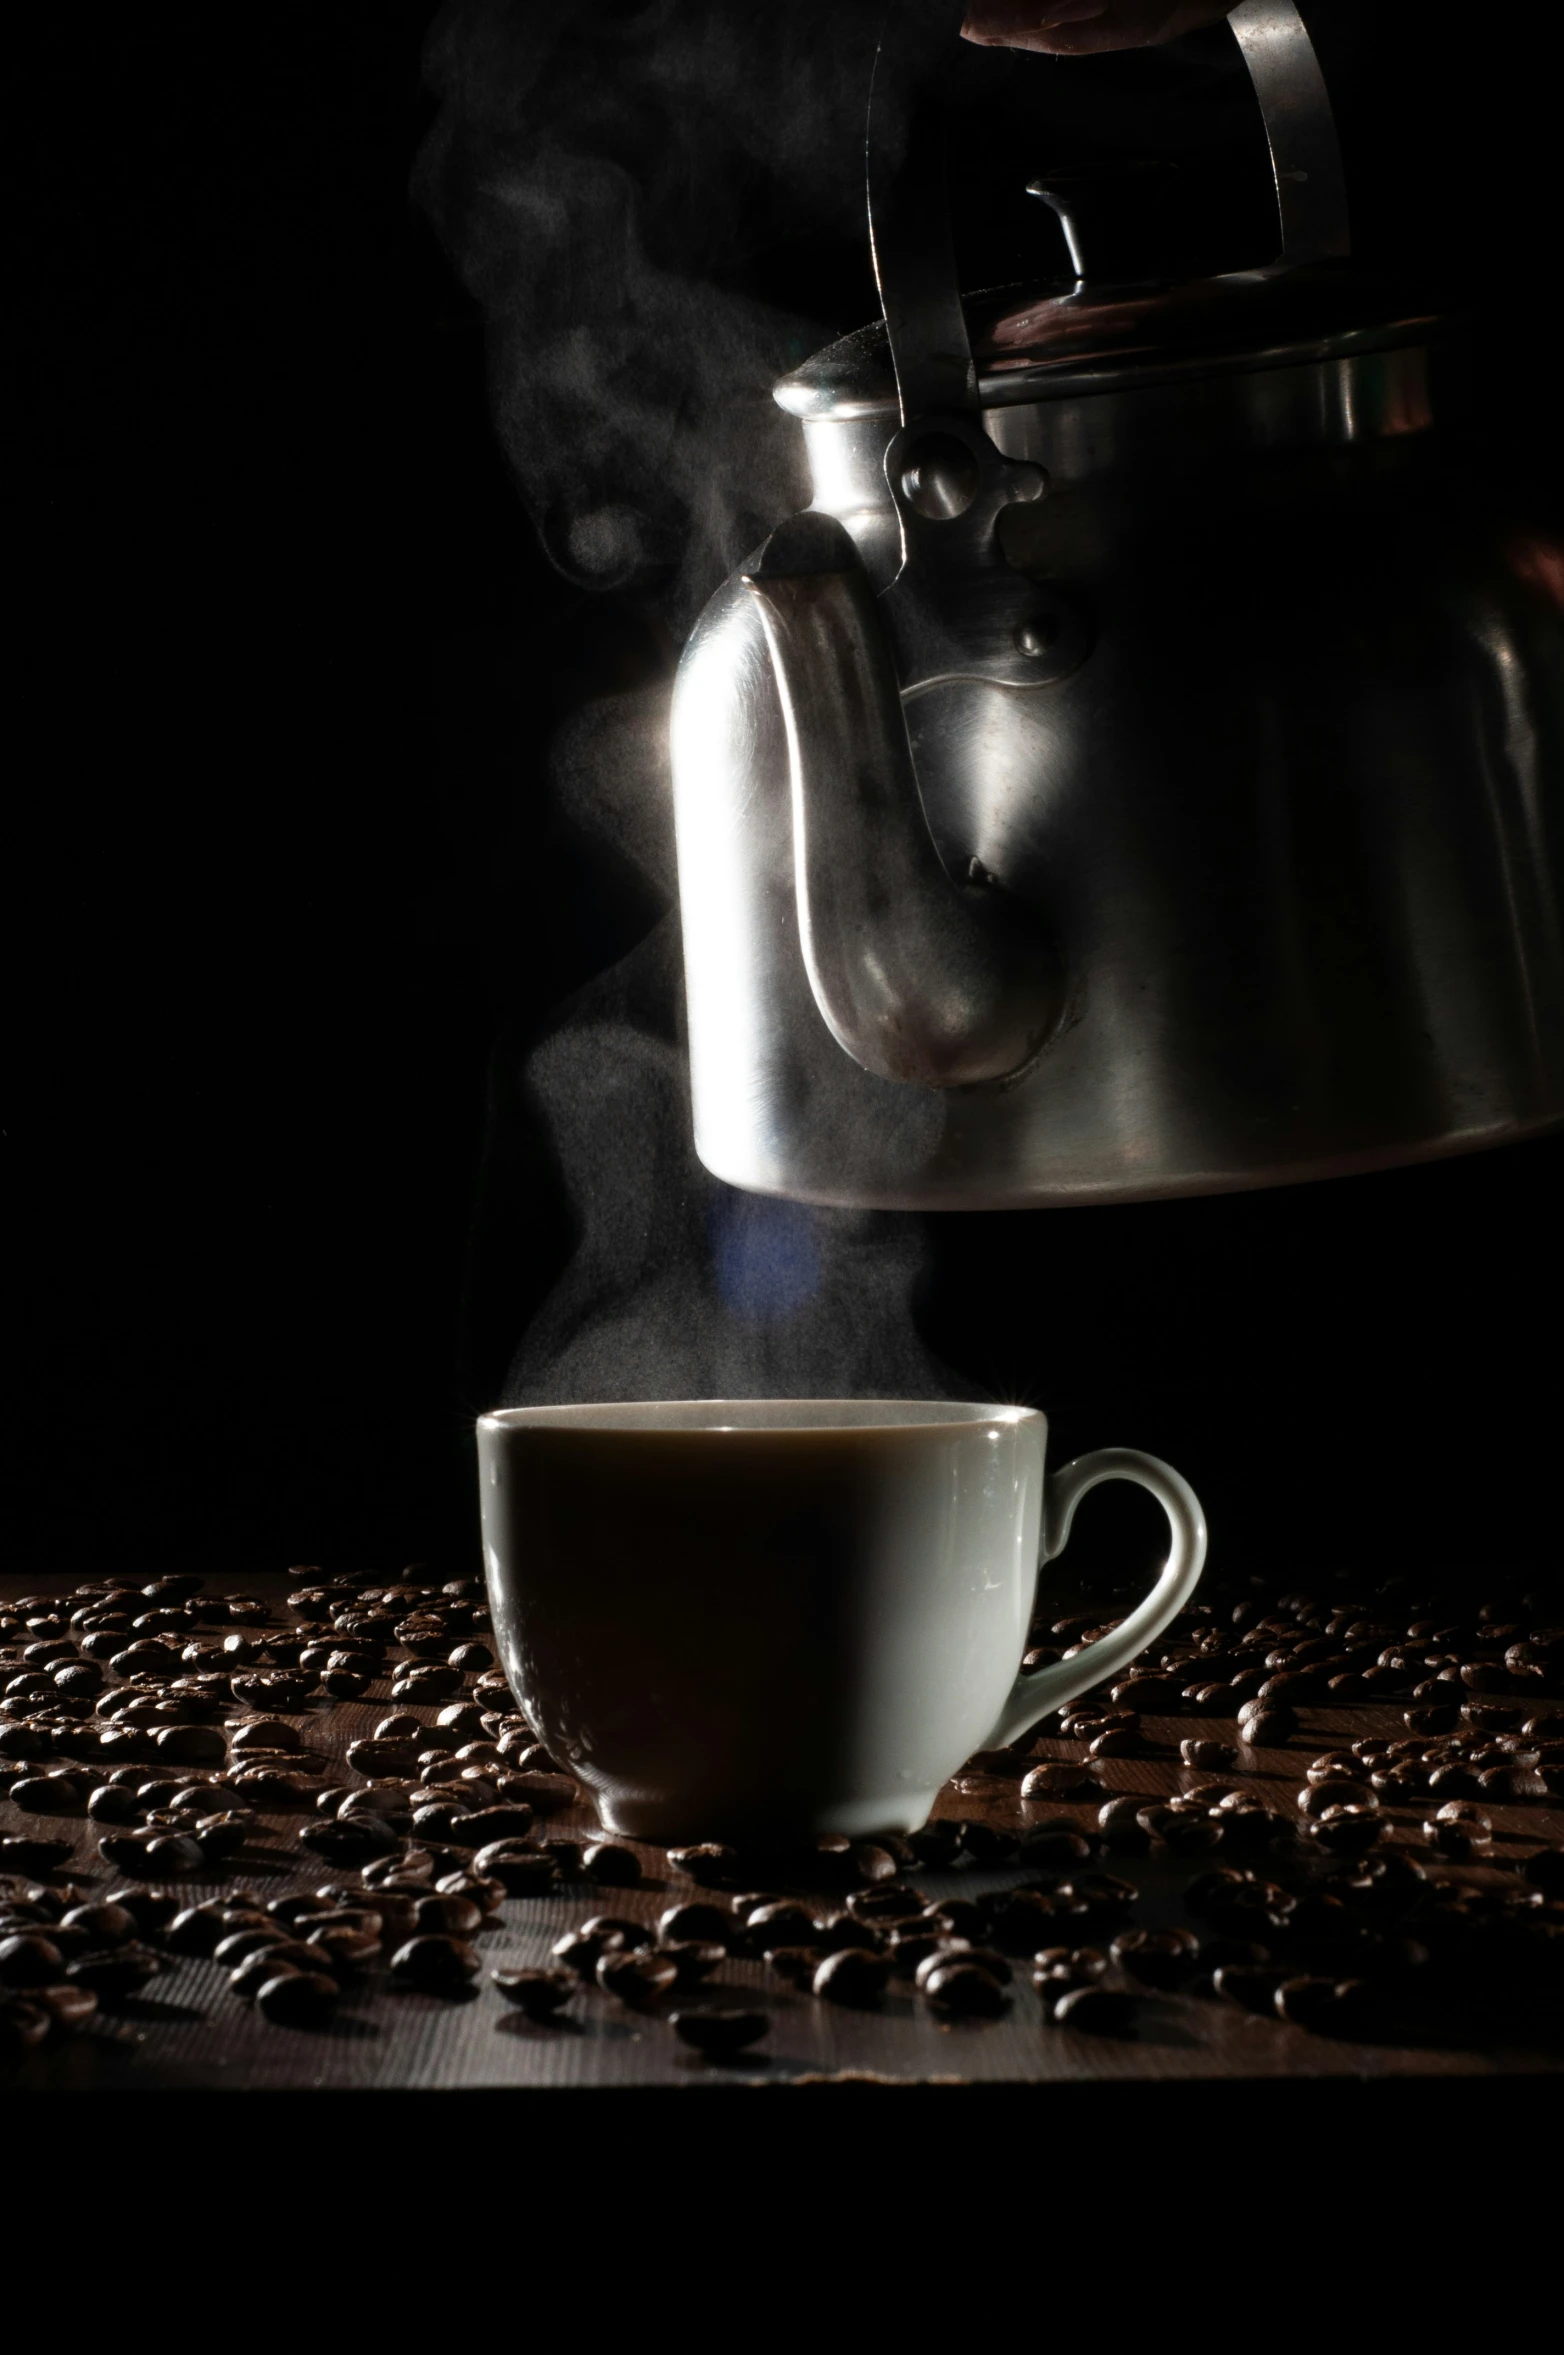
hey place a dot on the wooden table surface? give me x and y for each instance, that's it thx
(188, 2030)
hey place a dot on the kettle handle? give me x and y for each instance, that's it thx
(909, 209)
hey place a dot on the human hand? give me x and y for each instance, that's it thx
(1072, 28)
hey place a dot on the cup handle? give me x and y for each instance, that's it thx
(1031, 1697)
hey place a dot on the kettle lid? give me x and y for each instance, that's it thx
(1060, 336)
(1113, 320)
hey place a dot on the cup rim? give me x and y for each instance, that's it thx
(644, 1416)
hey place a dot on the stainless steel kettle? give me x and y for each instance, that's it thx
(1140, 769)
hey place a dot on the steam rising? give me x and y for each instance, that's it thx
(605, 177)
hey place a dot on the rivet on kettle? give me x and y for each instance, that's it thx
(940, 478)
(1037, 635)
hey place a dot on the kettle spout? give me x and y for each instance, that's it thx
(921, 978)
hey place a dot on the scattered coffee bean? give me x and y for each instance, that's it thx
(27, 1959)
(106, 1923)
(852, 1975)
(1119, 1823)
(796, 1965)
(1156, 1958)
(611, 1863)
(522, 1870)
(719, 2034)
(990, 1844)
(298, 1999)
(697, 1958)
(538, 1993)
(1251, 1987)
(114, 1973)
(962, 1989)
(1058, 1844)
(1266, 1728)
(1060, 1781)
(1210, 1757)
(22, 1855)
(695, 1920)
(267, 1963)
(434, 1962)
(448, 1917)
(23, 2024)
(1098, 2011)
(637, 1975)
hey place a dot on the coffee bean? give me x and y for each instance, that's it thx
(23, 2025)
(1150, 1693)
(351, 1841)
(1156, 1958)
(582, 1950)
(68, 2009)
(482, 1888)
(374, 1755)
(719, 2034)
(351, 1684)
(191, 1745)
(1118, 1821)
(151, 1909)
(852, 1975)
(24, 1855)
(1119, 1741)
(615, 1866)
(28, 1959)
(1211, 1757)
(450, 1917)
(114, 1973)
(298, 1999)
(909, 1948)
(963, 1950)
(637, 1976)
(270, 1734)
(236, 1945)
(796, 1965)
(1509, 1784)
(106, 1924)
(707, 1863)
(1265, 1728)
(938, 1844)
(433, 1961)
(521, 1870)
(1058, 1844)
(1432, 1718)
(697, 1958)
(1336, 1790)
(1060, 1781)
(891, 1901)
(990, 1844)
(1098, 2011)
(1345, 1830)
(268, 1962)
(540, 1994)
(1250, 1987)
(783, 1922)
(345, 1948)
(961, 1989)
(58, 1792)
(1322, 2005)
(695, 1920)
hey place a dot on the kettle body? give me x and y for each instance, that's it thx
(1243, 704)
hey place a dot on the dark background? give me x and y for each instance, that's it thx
(285, 662)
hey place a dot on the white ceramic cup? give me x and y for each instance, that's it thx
(779, 1618)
